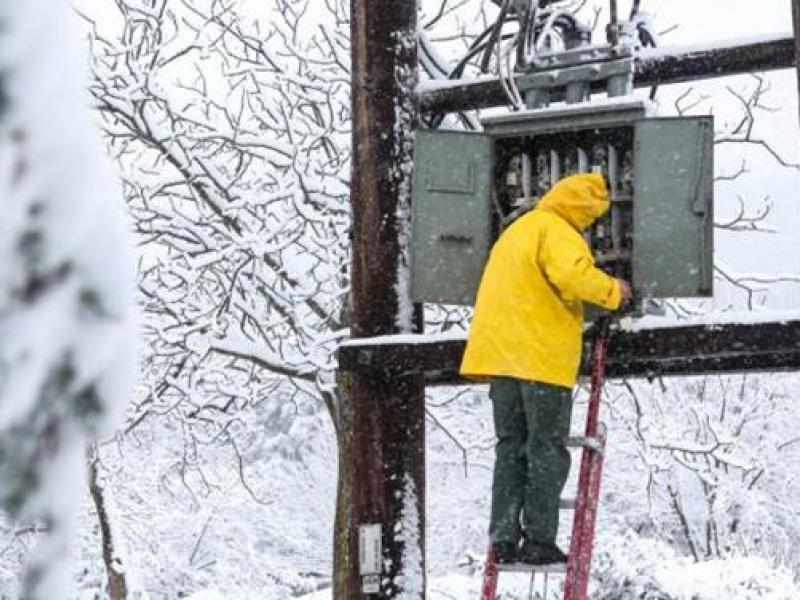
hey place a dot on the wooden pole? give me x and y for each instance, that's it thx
(796, 21)
(381, 445)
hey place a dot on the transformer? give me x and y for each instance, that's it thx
(658, 233)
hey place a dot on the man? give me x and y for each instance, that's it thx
(525, 339)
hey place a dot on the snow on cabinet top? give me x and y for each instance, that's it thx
(649, 107)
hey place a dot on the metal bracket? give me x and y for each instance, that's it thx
(576, 70)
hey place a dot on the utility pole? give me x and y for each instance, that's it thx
(381, 425)
(796, 21)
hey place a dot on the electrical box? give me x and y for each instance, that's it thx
(452, 215)
(657, 234)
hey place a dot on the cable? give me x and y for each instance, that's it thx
(552, 21)
(494, 40)
(536, 24)
(528, 36)
(506, 74)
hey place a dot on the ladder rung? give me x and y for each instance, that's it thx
(579, 441)
(526, 568)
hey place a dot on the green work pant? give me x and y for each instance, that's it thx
(532, 462)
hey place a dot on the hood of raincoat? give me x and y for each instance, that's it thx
(580, 199)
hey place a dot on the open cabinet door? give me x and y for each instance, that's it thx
(673, 235)
(451, 215)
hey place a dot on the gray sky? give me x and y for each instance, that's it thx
(705, 21)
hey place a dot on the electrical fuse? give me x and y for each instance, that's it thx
(555, 167)
(543, 180)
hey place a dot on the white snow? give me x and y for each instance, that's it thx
(410, 579)
(58, 188)
(626, 324)
(401, 172)
(710, 319)
(406, 338)
(433, 85)
(712, 44)
(597, 101)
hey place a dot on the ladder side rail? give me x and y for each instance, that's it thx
(584, 518)
(490, 575)
(580, 560)
(598, 375)
(576, 540)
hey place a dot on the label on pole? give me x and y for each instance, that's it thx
(369, 557)
(369, 549)
(371, 584)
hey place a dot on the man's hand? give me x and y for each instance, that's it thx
(625, 290)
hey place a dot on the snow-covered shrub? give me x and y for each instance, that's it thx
(709, 456)
(67, 344)
(630, 567)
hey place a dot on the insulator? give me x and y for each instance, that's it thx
(613, 169)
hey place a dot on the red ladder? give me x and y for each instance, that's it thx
(583, 525)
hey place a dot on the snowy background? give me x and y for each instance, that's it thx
(228, 124)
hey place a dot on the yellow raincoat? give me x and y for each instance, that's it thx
(529, 311)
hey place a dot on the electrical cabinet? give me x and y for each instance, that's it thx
(452, 215)
(673, 228)
(658, 232)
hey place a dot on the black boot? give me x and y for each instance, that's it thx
(537, 553)
(506, 553)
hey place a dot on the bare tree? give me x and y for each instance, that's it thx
(236, 177)
(234, 146)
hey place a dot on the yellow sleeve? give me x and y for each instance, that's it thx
(568, 265)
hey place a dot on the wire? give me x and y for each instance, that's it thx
(554, 21)
(537, 24)
(506, 74)
(528, 29)
(494, 40)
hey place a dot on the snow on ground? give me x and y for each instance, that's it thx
(631, 561)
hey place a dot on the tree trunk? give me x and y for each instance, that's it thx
(117, 586)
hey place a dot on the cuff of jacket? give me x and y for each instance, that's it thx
(615, 297)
